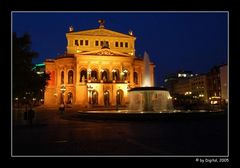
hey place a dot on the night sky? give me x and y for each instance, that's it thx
(194, 41)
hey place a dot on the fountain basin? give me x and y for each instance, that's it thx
(150, 99)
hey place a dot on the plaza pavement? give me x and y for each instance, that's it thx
(69, 134)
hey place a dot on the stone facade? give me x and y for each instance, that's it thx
(97, 70)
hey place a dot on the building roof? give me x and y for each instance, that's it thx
(99, 32)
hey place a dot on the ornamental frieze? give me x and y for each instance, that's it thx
(104, 52)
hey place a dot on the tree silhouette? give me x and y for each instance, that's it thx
(25, 81)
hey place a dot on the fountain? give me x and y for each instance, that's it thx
(148, 98)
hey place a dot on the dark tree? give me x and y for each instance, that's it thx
(25, 81)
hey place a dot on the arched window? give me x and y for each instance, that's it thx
(62, 77)
(104, 75)
(125, 74)
(70, 77)
(135, 77)
(83, 75)
(94, 75)
(115, 74)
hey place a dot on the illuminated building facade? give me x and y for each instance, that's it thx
(209, 88)
(199, 87)
(217, 84)
(97, 70)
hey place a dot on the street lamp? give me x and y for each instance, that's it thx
(63, 89)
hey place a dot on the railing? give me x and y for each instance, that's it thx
(107, 81)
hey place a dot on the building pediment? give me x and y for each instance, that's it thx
(105, 52)
(100, 32)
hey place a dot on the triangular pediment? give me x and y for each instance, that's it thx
(100, 32)
(105, 52)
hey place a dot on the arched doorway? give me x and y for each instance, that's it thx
(69, 98)
(94, 97)
(119, 97)
(106, 98)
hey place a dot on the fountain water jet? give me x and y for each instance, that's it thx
(148, 98)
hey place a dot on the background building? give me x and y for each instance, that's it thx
(97, 69)
(217, 84)
(174, 81)
(208, 88)
(224, 82)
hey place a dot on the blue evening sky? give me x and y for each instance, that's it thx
(194, 41)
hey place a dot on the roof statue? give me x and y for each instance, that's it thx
(130, 32)
(71, 29)
(101, 22)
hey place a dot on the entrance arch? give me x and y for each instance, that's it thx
(94, 97)
(106, 96)
(69, 98)
(119, 97)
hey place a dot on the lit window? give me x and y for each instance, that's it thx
(86, 42)
(126, 44)
(116, 44)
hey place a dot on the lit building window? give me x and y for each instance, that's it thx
(86, 42)
(116, 44)
(101, 43)
(126, 44)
